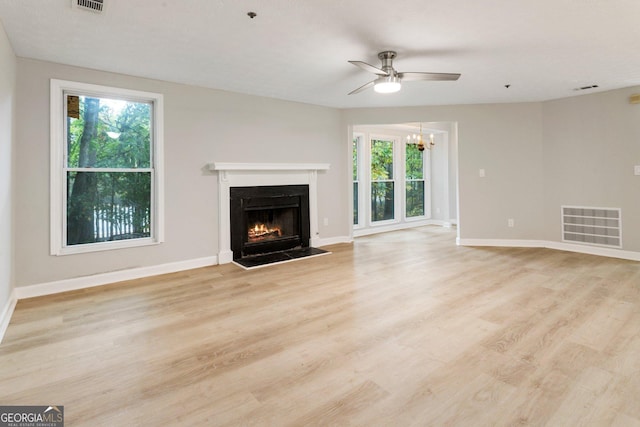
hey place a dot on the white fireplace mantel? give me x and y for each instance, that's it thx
(257, 174)
(220, 166)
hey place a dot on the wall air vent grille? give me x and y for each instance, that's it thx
(592, 226)
(92, 5)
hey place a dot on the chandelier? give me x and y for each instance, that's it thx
(419, 141)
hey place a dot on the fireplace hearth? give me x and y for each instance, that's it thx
(269, 223)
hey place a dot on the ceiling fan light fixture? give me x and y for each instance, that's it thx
(387, 84)
(389, 80)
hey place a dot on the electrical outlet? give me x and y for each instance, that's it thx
(481, 173)
(326, 222)
(636, 170)
(510, 222)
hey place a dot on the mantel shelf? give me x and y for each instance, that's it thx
(220, 166)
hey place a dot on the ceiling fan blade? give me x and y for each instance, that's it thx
(369, 68)
(408, 77)
(363, 87)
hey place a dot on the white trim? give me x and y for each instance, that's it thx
(594, 250)
(360, 138)
(107, 246)
(561, 246)
(441, 223)
(396, 226)
(509, 243)
(57, 186)
(56, 132)
(223, 166)
(76, 283)
(318, 243)
(7, 312)
(444, 149)
(110, 170)
(158, 164)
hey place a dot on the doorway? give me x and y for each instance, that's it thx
(403, 175)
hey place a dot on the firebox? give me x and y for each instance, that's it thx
(268, 219)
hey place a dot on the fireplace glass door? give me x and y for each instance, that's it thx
(271, 224)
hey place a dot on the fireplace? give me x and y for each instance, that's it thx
(232, 175)
(268, 219)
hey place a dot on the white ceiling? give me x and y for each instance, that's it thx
(298, 50)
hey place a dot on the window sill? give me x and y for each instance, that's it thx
(105, 246)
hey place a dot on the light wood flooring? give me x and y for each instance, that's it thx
(398, 329)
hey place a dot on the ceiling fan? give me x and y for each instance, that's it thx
(389, 80)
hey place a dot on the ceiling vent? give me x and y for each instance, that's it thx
(92, 5)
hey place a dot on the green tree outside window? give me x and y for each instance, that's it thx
(108, 171)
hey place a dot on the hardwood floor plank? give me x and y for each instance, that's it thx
(401, 328)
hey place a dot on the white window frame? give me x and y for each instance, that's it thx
(426, 159)
(365, 225)
(361, 180)
(58, 169)
(397, 168)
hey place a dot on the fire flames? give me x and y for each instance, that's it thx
(263, 232)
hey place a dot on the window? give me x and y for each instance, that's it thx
(382, 180)
(414, 181)
(391, 180)
(356, 159)
(106, 168)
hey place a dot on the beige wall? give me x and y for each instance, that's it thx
(591, 144)
(7, 144)
(536, 156)
(502, 139)
(201, 126)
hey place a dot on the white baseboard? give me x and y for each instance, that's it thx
(359, 232)
(7, 312)
(509, 243)
(319, 242)
(225, 257)
(111, 277)
(442, 223)
(561, 246)
(594, 250)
